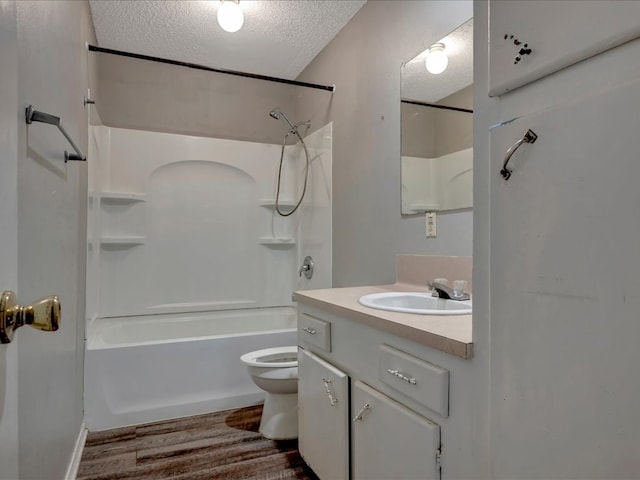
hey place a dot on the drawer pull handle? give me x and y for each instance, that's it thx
(310, 331)
(361, 412)
(401, 376)
(332, 400)
(529, 137)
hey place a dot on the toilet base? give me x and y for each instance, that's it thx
(280, 416)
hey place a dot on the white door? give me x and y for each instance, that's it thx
(389, 441)
(565, 283)
(323, 413)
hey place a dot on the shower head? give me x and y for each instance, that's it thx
(277, 114)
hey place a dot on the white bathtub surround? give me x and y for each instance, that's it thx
(315, 225)
(187, 265)
(182, 224)
(149, 368)
(448, 180)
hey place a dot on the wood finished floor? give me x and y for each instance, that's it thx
(221, 445)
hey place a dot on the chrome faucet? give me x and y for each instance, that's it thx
(444, 291)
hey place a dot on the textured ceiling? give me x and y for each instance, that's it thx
(418, 84)
(279, 38)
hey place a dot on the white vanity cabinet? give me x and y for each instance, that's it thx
(531, 39)
(370, 403)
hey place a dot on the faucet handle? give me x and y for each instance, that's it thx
(459, 287)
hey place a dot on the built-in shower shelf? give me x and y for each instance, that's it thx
(121, 241)
(271, 202)
(277, 242)
(122, 197)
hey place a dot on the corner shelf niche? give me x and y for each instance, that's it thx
(122, 197)
(113, 242)
(277, 242)
(271, 202)
(123, 200)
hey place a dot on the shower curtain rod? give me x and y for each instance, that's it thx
(92, 48)
(435, 105)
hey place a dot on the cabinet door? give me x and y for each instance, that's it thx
(565, 263)
(559, 33)
(323, 417)
(389, 441)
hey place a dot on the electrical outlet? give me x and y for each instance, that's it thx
(431, 224)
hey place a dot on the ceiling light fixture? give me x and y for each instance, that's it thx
(437, 59)
(230, 15)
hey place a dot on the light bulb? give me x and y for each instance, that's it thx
(230, 16)
(437, 59)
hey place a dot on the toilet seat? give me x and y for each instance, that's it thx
(278, 357)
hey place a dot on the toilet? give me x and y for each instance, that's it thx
(275, 370)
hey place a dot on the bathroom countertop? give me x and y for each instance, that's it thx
(451, 334)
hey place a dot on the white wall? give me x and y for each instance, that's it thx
(9, 241)
(52, 75)
(578, 388)
(363, 61)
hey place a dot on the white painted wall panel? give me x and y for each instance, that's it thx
(562, 374)
(559, 33)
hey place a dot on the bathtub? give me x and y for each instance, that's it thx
(148, 368)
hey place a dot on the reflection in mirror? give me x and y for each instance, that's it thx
(437, 129)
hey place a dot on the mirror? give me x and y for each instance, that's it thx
(437, 129)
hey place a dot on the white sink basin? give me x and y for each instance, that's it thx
(415, 302)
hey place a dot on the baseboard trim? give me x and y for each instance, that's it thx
(74, 463)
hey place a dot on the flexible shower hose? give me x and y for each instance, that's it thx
(306, 174)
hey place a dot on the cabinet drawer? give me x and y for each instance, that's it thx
(314, 331)
(424, 382)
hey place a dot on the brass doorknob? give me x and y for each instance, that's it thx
(44, 314)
